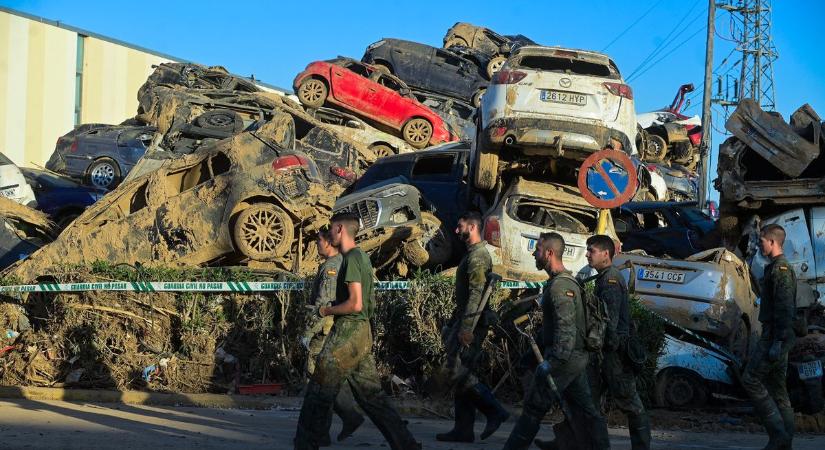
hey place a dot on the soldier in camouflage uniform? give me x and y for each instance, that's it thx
(564, 353)
(470, 393)
(323, 294)
(347, 354)
(764, 377)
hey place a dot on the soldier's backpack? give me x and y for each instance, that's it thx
(596, 317)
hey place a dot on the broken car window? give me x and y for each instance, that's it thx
(434, 167)
(389, 82)
(545, 215)
(568, 66)
(360, 69)
(442, 57)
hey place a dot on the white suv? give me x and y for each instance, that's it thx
(553, 102)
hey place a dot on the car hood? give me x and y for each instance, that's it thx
(385, 188)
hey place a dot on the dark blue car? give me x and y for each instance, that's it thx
(60, 197)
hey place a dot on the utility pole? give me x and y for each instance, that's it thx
(704, 148)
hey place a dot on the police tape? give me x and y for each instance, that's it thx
(215, 286)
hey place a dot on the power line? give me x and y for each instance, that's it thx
(667, 54)
(632, 25)
(665, 41)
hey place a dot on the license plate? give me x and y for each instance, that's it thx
(570, 98)
(668, 276)
(808, 370)
(569, 251)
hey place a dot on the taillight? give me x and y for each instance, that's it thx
(289, 161)
(343, 173)
(73, 148)
(508, 77)
(622, 90)
(492, 231)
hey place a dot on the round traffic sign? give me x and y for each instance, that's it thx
(607, 178)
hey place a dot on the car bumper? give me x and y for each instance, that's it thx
(541, 136)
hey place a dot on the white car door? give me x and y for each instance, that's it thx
(798, 248)
(818, 241)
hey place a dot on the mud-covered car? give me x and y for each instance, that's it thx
(681, 184)
(527, 209)
(22, 231)
(709, 293)
(431, 69)
(458, 115)
(550, 102)
(196, 76)
(497, 47)
(244, 200)
(62, 198)
(675, 229)
(381, 143)
(668, 135)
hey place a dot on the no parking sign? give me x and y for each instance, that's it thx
(607, 179)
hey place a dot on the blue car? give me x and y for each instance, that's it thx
(62, 198)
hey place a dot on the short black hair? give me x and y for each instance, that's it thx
(473, 217)
(556, 242)
(774, 232)
(324, 234)
(349, 220)
(602, 242)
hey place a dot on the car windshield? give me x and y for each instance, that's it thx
(546, 215)
(383, 170)
(566, 65)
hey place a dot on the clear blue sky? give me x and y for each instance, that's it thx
(275, 40)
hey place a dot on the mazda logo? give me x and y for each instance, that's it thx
(565, 82)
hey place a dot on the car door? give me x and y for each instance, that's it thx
(798, 247)
(661, 234)
(351, 87)
(449, 75)
(436, 177)
(818, 241)
(395, 110)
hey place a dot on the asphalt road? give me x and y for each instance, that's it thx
(28, 424)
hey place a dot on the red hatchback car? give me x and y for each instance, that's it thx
(373, 94)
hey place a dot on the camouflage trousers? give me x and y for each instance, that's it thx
(344, 405)
(346, 357)
(763, 377)
(462, 368)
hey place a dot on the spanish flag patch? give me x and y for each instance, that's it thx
(570, 294)
(332, 272)
(783, 267)
(613, 281)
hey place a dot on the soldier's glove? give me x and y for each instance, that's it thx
(775, 351)
(304, 342)
(543, 370)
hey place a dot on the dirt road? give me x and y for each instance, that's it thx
(27, 424)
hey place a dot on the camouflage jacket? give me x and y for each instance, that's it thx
(612, 290)
(470, 279)
(323, 293)
(563, 318)
(778, 302)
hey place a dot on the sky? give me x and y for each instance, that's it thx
(662, 41)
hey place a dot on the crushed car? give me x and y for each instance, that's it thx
(379, 142)
(458, 115)
(709, 293)
(495, 46)
(23, 230)
(550, 102)
(243, 200)
(62, 198)
(527, 209)
(431, 69)
(668, 135)
(674, 229)
(13, 185)
(374, 95)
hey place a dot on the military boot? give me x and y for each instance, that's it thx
(788, 419)
(778, 438)
(465, 417)
(486, 402)
(546, 445)
(639, 429)
(523, 433)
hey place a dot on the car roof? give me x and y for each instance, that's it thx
(552, 192)
(449, 147)
(542, 50)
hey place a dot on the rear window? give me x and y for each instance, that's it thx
(567, 66)
(438, 167)
(551, 217)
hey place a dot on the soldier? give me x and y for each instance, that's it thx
(470, 281)
(323, 294)
(565, 356)
(613, 371)
(347, 354)
(764, 377)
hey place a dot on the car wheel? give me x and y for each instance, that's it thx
(494, 65)
(417, 132)
(477, 97)
(313, 92)
(680, 389)
(104, 173)
(455, 42)
(656, 148)
(383, 68)
(435, 242)
(263, 232)
(486, 173)
(382, 150)
(220, 120)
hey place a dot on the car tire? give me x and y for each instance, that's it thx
(224, 120)
(103, 173)
(656, 148)
(494, 65)
(676, 388)
(435, 243)
(486, 173)
(313, 92)
(477, 97)
(382, 150)
(455, 42)
(263, 232)
(417, 132)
